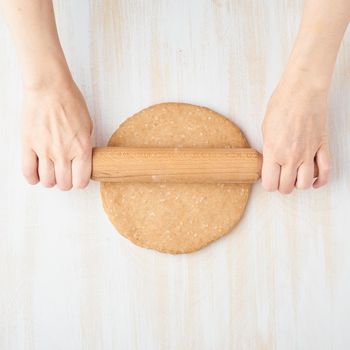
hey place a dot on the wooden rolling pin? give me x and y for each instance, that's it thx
(176, 165)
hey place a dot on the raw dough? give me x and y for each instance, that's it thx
(175, 218)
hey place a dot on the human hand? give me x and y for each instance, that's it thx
(295, 134)
(295, 126)
(56, 136)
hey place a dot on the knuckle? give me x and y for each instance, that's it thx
(269, 188)
(303, 185)
(58, 144)
(64, 182)
(31, 180)
(293, 163)
(286, 190)
(47, 183)
(81, 183)
(80, 180)
(294, 151)
(83, 147)
(65, 187)
(59, 147)
(61, 157)
(320, 183)
(282, 156)
(44, 151)
(28, 173)
(58, 151)
(295, 155)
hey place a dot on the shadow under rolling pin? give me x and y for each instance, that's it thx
(176, 165)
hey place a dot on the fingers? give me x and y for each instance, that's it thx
(81, 171)
(63, 173)
(287, 179)
(75, 173)
(30, 166)
(323, 161)
(305, 176)
(270, 175)
(47, 172)
(81, 164)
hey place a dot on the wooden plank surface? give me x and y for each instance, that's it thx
(281, 280)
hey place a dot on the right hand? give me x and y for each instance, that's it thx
(56, 136)
(295, 134)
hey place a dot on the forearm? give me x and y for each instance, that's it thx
(315, 50)
(33, 27)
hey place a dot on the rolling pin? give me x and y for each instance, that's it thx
(176, 165)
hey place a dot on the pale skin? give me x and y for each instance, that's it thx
(295, 128)
(56, 134)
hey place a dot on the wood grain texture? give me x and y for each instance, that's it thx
(280, 281)
(176, 165)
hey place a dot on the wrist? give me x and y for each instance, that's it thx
(299, 88)
(303, 76)
(47, 72)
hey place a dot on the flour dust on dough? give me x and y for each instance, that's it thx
(175, 218)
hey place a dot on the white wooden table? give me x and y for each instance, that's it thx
(68, 281)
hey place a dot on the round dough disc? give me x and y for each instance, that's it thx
(175, 218)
